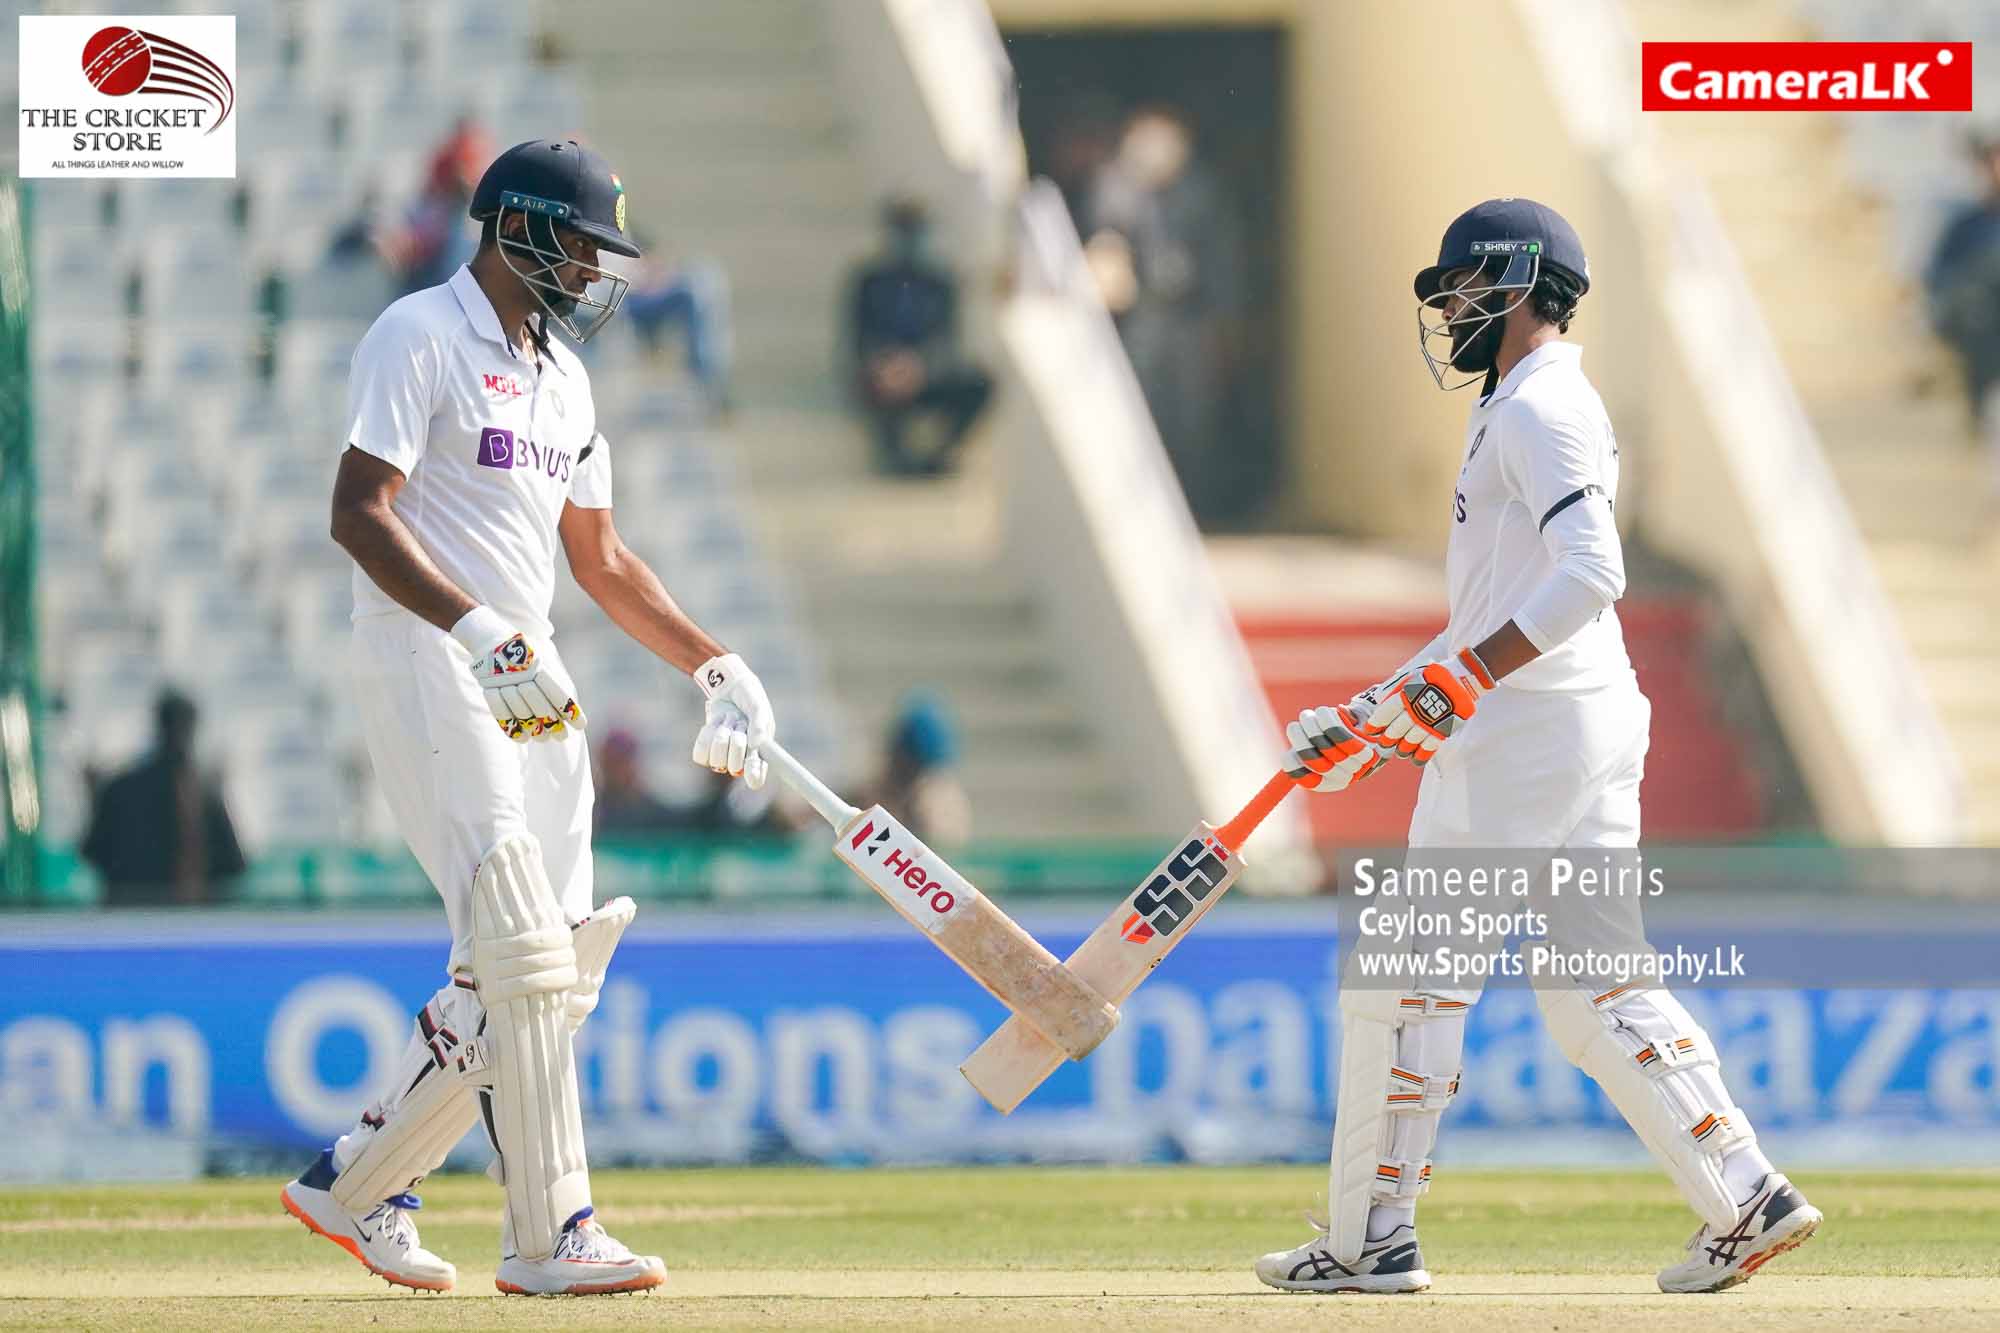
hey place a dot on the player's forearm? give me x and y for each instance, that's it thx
(390, 555)
(632, 595)
(1506, 650)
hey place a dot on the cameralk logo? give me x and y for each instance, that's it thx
(1806, 76)
(148, 95)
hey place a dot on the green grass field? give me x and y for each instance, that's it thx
(1006, 1248)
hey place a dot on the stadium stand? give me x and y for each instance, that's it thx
(1865, 196)
(190, 420)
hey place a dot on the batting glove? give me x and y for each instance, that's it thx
(1328, 753)
(1426, 705)
(736, 721)
(531, 699)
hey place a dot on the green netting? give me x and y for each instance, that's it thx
(20, 788)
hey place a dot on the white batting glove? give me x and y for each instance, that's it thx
(736, 721)
(531, 699)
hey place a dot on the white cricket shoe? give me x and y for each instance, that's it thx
(1776, 1219)
(384, 1239)
(587, 1262)
(1390, 1266)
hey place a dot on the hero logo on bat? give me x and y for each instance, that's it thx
(903, 864)
(1170, 897)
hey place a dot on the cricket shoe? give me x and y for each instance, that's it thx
(384, 1239)
(1390, 1266)
(1776, 1219)
(587, 1262)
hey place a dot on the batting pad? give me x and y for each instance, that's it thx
(428, 1108)
(1662, 1073)
(525, 963)
(595, 939)
(1399, 1058)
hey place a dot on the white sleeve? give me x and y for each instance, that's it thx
(1430, 652)
(1555, 466)
(590, 484)
(392, 391)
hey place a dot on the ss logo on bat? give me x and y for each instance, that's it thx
(1170, 896)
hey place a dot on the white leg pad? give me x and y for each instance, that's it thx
(1399, 1061)
(595, 939)
(1662, 1073)
(525, 963)
(428, 1108)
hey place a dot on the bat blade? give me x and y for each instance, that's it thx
(1046, 997)
(1117, 956)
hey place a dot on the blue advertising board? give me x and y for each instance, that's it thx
(836, 1036)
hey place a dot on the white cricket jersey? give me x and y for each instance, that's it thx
(1534, 498)
(492, 444)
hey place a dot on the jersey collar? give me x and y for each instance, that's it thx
(1552, 353)
(477, 308)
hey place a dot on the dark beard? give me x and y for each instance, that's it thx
(1475, 342)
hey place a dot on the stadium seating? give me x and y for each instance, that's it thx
(190, 423)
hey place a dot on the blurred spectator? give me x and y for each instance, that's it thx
(1082, 144)
(1167, 251)
(907, 364)
(693, 295)
(354, 239)
(1963, 282)
(159, 832)
(434, 236)
(917, 783)
(624, 805)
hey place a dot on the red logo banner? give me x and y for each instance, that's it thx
(1806, 76)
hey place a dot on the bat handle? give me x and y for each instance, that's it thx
(801, 780)
(1267, 799)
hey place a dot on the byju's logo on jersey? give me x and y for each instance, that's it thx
(499, 449)
(496, 447)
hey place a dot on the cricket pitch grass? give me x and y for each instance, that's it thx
(1151, 1249)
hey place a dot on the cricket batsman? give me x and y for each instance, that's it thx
(1532, 733)
(472, 452)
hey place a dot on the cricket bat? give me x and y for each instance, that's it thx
(1045, 996)
(1156, 916)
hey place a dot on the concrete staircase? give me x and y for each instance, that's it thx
(726, 122)
(1880, 390)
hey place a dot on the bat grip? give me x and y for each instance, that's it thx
(1267, 799)
(801, 780)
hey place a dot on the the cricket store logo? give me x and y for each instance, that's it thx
(1182, 881)
(1806, 76)
(130, 96)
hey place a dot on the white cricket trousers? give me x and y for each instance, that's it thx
(455, 784)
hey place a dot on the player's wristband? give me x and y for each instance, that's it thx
(481, 630)
(718, 673)
(1476, 671)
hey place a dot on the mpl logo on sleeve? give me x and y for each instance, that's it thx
(1806, 76)
(128, 96)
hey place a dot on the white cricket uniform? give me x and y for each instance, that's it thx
(1554, 755)
(1551, 759)
(493, 445)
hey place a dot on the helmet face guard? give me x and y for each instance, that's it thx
(1499, 278)
(536, 256)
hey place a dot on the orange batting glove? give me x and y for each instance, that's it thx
(1425, 706)
(1328, 753)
